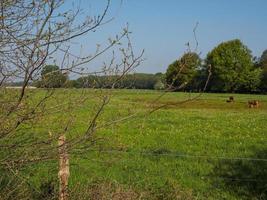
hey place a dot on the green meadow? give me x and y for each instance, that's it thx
(200, 149)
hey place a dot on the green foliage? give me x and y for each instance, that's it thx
(159, 85)
(232, 64)
(130, 81)
(232, 68)
(263, 66)
(52, 77)
(263, 84)
(263, 59)
(252, 82)
(138, 81)
(183, 71)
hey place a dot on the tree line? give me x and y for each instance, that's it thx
(56, 79)
(232, 67)
(231, 63)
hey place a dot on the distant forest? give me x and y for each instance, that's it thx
(231, 67)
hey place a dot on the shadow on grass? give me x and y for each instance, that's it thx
(246, 178)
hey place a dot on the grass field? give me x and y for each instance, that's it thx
(195, 150)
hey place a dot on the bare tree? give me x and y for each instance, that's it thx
(32, 34)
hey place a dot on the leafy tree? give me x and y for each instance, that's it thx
(263, 85)
(199, 81)
(182, 72)
(52, 77)
(263, 66)
(252, 82)
(232, 68)
(137, 81)
(263, 59)
(260, 61)
(160, 84)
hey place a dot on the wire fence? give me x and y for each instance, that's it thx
(174, 155)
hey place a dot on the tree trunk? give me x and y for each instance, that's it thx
(64, 171)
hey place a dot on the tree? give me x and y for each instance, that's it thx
(232, 68)
(130, 81)
(160, 84)
(263, 84)
(253, 81)
(37, 126)
(34, 128)
(263, 66)
(181, 72)
(263, 58)
(52, 77)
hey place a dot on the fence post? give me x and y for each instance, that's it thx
(64, 171)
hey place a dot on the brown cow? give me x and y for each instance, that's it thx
(253, 104)
(230, 100)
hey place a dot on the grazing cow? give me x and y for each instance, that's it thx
(253, 104)
(230, 100)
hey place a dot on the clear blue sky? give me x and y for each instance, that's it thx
(163, 27)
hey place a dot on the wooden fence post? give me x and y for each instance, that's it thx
(64, 171)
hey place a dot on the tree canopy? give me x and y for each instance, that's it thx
(130, 81)
(181, 72)
(232, 68)
(263, 58)
(52, 77)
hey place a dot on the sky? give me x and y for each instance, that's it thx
(163, 27)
